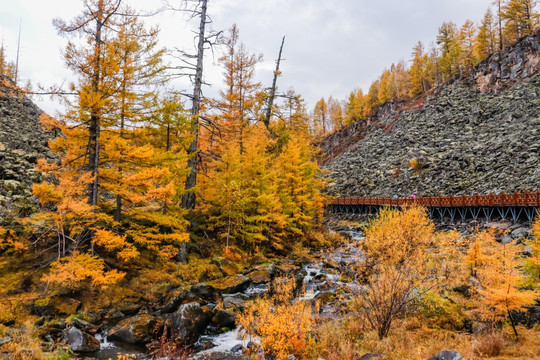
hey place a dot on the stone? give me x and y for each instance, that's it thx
(447, 355)
(80, 341)
(235, 301)
(134, 330)
(520, 232)
(231, 284)
(190, 321)
(290, 357)
(224, 319)
(259, 277)
(5, 340)
(369, 356)
(236, 348)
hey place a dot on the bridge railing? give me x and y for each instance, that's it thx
(528, 199)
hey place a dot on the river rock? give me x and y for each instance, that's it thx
(189, 322)
(224, 319)
(235, 301)
(520, 232)
(134, 330)
(231, 284)
(80, 341)
(259, 277)
(447, 355)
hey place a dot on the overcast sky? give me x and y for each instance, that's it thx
(331, 47)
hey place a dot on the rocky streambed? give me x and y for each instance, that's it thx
(195, 316)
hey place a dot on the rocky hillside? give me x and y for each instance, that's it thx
(479, 133)
(22, 142)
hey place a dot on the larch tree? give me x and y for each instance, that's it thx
(417, 71)
(467, 57)
(335, 112)
(486, 38)
(95, 65)
(239, 99)
(320, 117)
(520, 18)
(448, 41)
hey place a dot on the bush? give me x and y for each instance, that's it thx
(282, 324)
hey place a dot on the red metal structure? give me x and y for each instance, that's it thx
(506, 205)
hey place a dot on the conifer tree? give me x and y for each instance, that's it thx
(448, 41)
(486, 39)
(520, 18)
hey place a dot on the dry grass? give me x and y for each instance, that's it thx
(412, 339)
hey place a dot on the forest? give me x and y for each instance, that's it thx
(158, 199)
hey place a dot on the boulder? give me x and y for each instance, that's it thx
(231, 284)
(134, 330)
(80, 341)
(235, 301)
(224, 319)
(190, 321)
(447, 355)
(259, 277)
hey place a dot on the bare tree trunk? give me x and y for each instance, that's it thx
(188, 199)
(273, 89)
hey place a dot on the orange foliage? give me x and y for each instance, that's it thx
(280, 324)
(79, 271)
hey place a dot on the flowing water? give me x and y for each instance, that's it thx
(317, 277)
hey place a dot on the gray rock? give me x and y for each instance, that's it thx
(369, 356)
(189, 322)
(5, 340)
(134, 330)
(80, 341)
(447, 355)
(290, 357)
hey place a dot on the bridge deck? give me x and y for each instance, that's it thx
(513, 205)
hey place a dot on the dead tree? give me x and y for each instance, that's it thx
(273, 88)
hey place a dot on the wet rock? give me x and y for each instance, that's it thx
(82, 325)
(447, 355)
(204, 291)
(80, 341)
(235, 301)
(325, 297)
(236, 348)
(134, 330)
(224, 319)
(190, 321)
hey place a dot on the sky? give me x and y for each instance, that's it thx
(331, 46)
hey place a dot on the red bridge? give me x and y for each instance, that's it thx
(514, 206)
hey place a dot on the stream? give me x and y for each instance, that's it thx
(318, 279)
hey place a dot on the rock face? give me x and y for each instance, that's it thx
(478, 134)
(22, 142)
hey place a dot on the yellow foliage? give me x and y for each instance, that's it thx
(500, 280)
(281, 323)
(532, 263)
(79, 271)
(404, 262)
(10, 240)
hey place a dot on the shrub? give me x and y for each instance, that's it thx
(282, 324)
